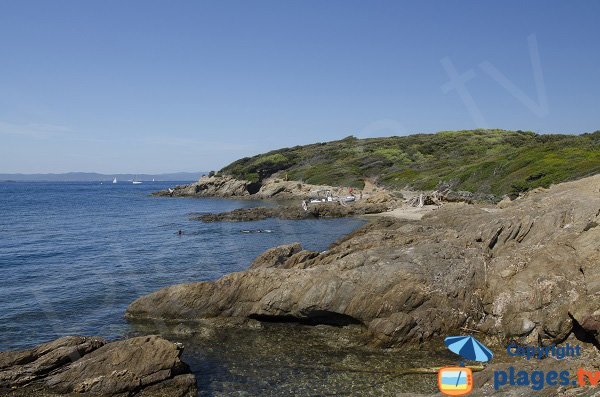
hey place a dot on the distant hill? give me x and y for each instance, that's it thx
(483, 161)
(94, 177)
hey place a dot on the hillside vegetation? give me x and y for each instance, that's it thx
(481, 161)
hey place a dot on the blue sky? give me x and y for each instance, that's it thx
(160, 86)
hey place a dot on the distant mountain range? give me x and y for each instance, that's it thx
(95, 177)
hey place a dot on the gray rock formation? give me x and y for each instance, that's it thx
(147, 365)
(528, 271)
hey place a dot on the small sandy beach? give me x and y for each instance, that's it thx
(406, 212)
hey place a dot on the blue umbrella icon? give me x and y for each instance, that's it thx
(469, 348)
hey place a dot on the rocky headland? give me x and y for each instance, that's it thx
(227, 186)
(525, 270)
(277, 188)
(90, 366)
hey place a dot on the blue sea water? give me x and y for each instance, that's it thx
(74, 255)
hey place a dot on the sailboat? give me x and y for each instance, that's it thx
(115, 180)
(136, 182)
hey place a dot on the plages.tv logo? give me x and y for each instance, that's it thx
(455, 381)
(458, 380)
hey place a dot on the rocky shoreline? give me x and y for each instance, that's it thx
(374, 204)
(524, 271)
(276, 187)
(288, 197)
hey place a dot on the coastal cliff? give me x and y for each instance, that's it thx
(526, 269)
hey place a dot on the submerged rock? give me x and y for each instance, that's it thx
(147, 365)
(527, 271)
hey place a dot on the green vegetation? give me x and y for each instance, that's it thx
(481, 161)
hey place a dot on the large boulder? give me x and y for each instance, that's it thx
(527, 271)
(90, 366)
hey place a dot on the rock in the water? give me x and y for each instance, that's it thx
(238, 215)
(21, 367)
(90, 366)
(528, 271)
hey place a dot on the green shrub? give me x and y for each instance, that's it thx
(485, 161)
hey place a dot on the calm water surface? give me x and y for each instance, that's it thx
(74, 255)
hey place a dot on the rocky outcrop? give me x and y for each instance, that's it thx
(275, 257)
(282, 189)
(148, 365)
(255, 214)
(22, 367)
(284, 257)
(228, 186)
(377, 203)
(278, 188)
(527, 271)
(213, 186)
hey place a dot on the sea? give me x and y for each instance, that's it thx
(74, 255)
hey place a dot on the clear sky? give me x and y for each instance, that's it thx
(160, 86)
